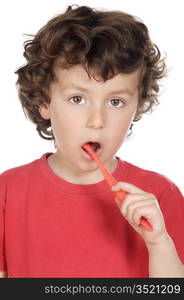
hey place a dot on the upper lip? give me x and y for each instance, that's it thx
(93, 141)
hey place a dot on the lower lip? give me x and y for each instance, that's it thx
(88, 156)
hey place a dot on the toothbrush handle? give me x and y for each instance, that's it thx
(111, 181)
(121, 196)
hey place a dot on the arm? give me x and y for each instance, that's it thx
(163, 258)
(3, 274)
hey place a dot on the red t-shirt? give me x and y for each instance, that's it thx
(53, 228)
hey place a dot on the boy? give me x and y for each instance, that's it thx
(89, 75)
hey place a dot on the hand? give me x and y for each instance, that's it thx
(137, 204)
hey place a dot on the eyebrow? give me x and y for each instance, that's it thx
(121, 91)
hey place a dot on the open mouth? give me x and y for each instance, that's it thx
(94, 145)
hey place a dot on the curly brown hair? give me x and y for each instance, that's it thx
(109, 41)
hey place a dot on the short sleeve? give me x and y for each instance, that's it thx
(2, 223)
(172, 206)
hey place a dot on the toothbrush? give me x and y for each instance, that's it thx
(112, 181)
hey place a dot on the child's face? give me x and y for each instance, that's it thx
(83, 109)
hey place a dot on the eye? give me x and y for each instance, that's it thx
(117, 102)
(75, 99)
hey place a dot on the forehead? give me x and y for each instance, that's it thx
(77, 76)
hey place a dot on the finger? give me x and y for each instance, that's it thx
(132, 207)
(143, 211)
(134, 198)
(125, 186)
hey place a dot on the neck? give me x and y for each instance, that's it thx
(77, 176)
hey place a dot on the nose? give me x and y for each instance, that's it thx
(96, 118)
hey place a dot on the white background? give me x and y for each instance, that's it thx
(157, 143)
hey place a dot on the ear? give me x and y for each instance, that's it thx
(44, 111)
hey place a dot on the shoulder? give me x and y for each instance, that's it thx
(14, 180)
(16, 172)
(19, 173)
(150, 181)
(145, 174)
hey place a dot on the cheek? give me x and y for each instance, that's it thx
(119, 127)
(122, 121)
(63, 124)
